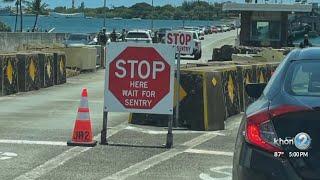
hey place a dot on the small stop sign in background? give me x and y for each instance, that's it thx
(139, 78)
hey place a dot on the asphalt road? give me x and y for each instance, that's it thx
(210, 42)
(35, 126)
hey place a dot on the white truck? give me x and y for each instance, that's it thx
(186, 42)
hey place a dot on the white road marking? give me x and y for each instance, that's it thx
(51, 143)
(154, 160)
(7, 155)
(64, 157)
(221, 170)
(200, 151)
(146, 131)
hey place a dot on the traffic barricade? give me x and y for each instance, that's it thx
(202, 104)
(28, 72)
(271, 67)
(8, 74)
(46, 69)
(260, 73)
(60, 73)
(245, 74)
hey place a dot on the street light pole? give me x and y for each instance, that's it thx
(152, 16)
(105, 13)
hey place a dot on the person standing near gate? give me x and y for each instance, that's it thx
(113, 36)
(102, 40)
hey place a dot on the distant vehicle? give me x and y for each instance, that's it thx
(232, 26)
(139, 36)
(219, 28)
(75, 40)
(208, 30)
(203, 30)
(278, 137)
(214, 29)
(162, 32)
(195, 45)
(225, 28)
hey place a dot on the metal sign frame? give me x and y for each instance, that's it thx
(164, 106)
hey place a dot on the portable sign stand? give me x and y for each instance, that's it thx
(176, 122)
(139, 79)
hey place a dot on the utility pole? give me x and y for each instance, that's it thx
(152, 16)
(105, 13)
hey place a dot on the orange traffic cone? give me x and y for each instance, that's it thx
(82, 132)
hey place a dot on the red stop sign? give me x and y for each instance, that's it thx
(139, 77)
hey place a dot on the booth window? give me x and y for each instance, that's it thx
(265, 30)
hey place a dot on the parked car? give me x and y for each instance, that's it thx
(74, 40)
(208, 29)
(139, 36)
(219, 28)
(214, 29)
(278, 137)
(225, 28)
(203, 30)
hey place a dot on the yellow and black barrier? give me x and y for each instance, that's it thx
(8, 74)
(246, 75)
(46, 69)
(28, 72)
(231, 90)
(60, 73)
(260, 73)
(271, 68)
(211, 94)
(202, 103)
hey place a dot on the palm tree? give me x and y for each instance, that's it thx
(37, 8)
(21, 15)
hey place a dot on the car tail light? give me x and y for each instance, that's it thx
(260, 130)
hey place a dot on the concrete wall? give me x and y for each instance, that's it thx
(20, 41)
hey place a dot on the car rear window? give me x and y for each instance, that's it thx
(137, 35)
(303, 78)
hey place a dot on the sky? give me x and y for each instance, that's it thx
(110, 3)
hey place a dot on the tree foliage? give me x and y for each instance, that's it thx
(196, 10)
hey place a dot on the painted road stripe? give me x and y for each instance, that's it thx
(200, 151)
(154, 132)
(64, 157)
(154, 160)
(52, 143)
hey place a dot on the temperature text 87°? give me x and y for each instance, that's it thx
(278, 154)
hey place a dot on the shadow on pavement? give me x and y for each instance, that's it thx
(137, 146)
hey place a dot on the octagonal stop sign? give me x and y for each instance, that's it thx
(140, 77)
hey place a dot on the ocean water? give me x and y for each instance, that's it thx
(82, 25)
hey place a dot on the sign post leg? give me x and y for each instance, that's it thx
(104, 129)
(176, 120)
(169, 135)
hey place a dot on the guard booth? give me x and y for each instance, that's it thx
(265, 25)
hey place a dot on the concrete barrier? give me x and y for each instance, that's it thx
(246, 75)
(8, 74)
(211, 95)
(60, 72)
(46, 69)
(13, 41)
(28, 72)
(83, 58)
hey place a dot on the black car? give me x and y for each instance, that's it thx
(279, 135)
